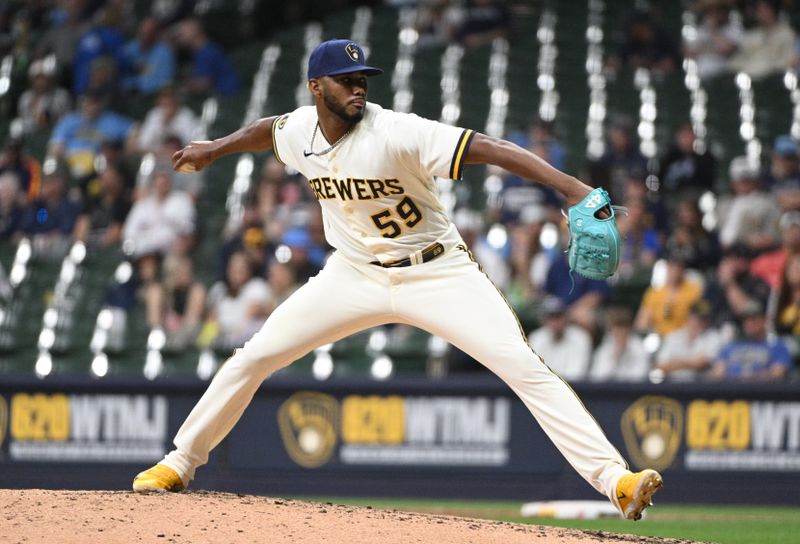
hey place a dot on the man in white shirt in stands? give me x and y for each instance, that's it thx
(688, 352)
(566, 348)
(158, 221)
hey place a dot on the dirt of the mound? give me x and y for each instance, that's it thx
(33, 516)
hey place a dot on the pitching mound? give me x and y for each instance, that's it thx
(34, 515)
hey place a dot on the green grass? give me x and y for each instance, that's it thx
(721, 524)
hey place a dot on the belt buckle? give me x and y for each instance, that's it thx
(417, 257)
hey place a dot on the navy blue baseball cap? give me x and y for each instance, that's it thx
(336, 57)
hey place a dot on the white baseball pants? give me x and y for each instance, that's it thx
(449, 297)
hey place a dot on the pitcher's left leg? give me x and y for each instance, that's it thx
(457, 302)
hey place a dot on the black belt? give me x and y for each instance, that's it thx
(428, 254)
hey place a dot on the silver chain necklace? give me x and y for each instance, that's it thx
(329, 149)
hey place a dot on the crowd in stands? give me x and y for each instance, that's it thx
(701, 293)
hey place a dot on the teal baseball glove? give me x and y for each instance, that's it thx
(594, 241)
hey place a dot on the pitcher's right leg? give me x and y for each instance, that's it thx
(338, 302)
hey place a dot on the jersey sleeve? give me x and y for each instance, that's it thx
(287, 137)
(438, 149)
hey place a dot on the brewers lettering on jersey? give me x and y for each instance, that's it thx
(398, 259)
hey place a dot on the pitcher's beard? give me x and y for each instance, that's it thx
(341, 111)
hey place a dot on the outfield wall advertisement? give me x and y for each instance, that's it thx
(456, 437)
(60, 427)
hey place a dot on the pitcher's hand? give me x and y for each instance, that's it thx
(194, 157)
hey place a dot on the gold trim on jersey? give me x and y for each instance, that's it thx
(282, 120)
(457, 164)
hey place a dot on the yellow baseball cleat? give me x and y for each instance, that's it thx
(159, 478)
(634, 492)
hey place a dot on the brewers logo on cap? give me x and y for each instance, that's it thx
(652, 428)
(352, 51)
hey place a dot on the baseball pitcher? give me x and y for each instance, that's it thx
(399, 259)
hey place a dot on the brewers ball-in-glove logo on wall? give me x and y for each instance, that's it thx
(309, 427)
(395, 430)
(352, 51)
(652, 428)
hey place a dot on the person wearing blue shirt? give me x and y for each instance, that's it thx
(99, 41)
(79, 136)
(149, 62)
(212, 71)
(754, 357)
(580, 295)
(51, 214)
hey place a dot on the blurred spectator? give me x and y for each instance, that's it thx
(237, 305)
(62, 38)
(10, 205)
(689, 352)
(169, 12)
(282, 281)
(50, 219)
(484, 21)
(657, 214)
(101, 41)
(684, 171)
(470, 226)
(769, 266)
(276, 198)
(9, 38)
(78, 137)
(27, 169)
(699, 248)
(306, 257)
(162, 222)
(716, 38)
(437, 22)
(564, 347)
(540, 138)
(786, 311)
(104, 81)
(641, 244)
(769, 47)
(639, 248)
(751, 215)
(734, 287)
(785, 173)
(43, 103)
(753, 357)
(250, 240)
(647, 46)
(169, 118)
(527, 259)
(621, 355)
(111, 156)
(666, 309)
(518, 196)
(621, 161)
(580, 295)
(107, 205)
(179, 302)
(212, 72)
(149, 61)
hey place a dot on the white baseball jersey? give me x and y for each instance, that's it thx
(378, 202)
(376, 188)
